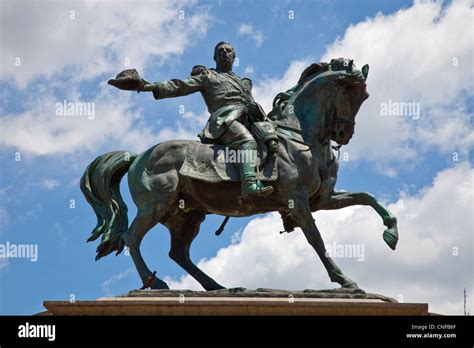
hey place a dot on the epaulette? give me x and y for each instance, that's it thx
(248, 82)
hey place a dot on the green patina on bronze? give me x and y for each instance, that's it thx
(320, 108)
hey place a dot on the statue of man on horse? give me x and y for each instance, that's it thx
(229, 99)
(299, 134)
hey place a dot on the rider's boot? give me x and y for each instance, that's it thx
(251, 186)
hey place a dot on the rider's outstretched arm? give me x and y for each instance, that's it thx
(175, 87)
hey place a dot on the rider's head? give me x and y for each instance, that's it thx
(224, 55)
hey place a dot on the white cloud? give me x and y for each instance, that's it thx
(422, 54)
(107, 285)
(451, 130)
(249, 31)
(432, 263)
(58, 52)
(116, 124)
(266, 90)
(50, 184)
(390, 172)
(4, 263)
(186, 128)
(93, 38)
(39, 131)
(249, 70)
(198, 120)
(3, 215)
(411, 57)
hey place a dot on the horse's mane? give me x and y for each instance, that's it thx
(281, 99)
(314, 69)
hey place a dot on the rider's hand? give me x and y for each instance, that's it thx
(146, 86)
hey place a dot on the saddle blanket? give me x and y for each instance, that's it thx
(218, 163)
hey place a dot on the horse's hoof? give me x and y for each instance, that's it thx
(159, 284)
(350, 289)
(214, 286)
(238, 289)
(390, 236)
(350, 286)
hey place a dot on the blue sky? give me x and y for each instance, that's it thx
(404, 161)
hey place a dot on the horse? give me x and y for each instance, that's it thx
(321, 108)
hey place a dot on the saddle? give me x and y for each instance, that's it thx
(219, 163)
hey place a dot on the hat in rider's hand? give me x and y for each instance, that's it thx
(129, 80)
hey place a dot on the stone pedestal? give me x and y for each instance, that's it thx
(234, 306)
(239, 302)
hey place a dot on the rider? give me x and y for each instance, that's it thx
(231, 105)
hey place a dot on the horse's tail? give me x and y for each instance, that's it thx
(100, 184)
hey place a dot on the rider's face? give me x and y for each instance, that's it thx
(225, 55)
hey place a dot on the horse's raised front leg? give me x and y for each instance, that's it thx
(345, 199)
(305, 220)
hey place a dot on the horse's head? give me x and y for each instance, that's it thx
(325, 101)
(346, 95)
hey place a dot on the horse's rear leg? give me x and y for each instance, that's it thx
(143, 222)
(184, 227)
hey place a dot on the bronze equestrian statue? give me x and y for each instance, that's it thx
(296, 134)
(231, 105)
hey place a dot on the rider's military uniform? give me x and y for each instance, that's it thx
(232, 107)
(228, 98)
